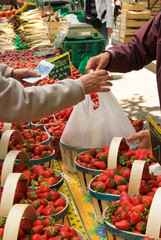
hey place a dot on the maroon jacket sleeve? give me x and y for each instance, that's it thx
(138, 52)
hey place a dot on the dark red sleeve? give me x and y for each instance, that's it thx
(138, 52)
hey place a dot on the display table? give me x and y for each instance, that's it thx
(81, 211)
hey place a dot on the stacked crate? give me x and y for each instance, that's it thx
(132, 18)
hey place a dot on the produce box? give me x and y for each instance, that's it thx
(135, 15)
(77, 48)
(54, 28)
(134, 6)
(130, 22)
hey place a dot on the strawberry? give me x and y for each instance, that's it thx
(122, 188)
(54, 195)
(49, 221)
(136, 200)
(60, 202)
(135, 217)
(110, 183)
(22, 186)
(50, 231)
(37, 222)
(139, 208)
(85, 158)
(141, 226)
(21, 233)
(51, 181)
(25, 224)
(147, 200)
(124, 197)
(100, 165)
(122, 225)
(38, 229)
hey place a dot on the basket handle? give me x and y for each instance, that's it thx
(5, 141)
(9, 192)
(154, 219)
(9, 161)
(6, 126)
(113, 152)
(14, 219)
(136, 175)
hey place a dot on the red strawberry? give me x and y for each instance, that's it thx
(85, 158)
(135, 217)
(60, 202)
(122, 225)
(38, 229)
(25, 224)
(100, 165)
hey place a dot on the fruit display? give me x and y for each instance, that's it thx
(35, 152)
(129, 214)
(98, 158)
(55, 130)
(39, 175)
(43, 230)
(89, 190)
(115, 181)
(46, 201)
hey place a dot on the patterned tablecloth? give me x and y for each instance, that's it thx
(81, 211)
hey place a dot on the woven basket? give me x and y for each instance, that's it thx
(10, 160)
(100, 200)
(4, 142)
(68, 156)
(85, 174)
(17, 212)
(152, 228)
(8, 194)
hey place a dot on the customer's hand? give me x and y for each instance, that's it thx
(98, 62)
(143, 137)
(20, 3)
(19, 74)
(96, 82)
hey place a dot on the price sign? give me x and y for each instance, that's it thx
(62, 67)
(155, 139)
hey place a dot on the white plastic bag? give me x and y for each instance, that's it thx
(89, 128)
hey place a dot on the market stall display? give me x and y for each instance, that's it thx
(7, 35)
(70, 186)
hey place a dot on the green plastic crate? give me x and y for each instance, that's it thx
(63, 9)
(77, 48)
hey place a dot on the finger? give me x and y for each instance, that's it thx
(132, 137)
(105, 83)
(104, 89)
(33, 73)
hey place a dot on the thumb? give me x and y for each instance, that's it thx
(132, 137)
(33, 73)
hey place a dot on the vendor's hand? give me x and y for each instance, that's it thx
(98, 62)
(96, 82)
(143, 137)
(19, 74)
(20, 3)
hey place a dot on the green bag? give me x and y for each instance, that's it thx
(83, 63)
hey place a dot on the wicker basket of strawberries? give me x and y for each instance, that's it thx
(22, 223)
